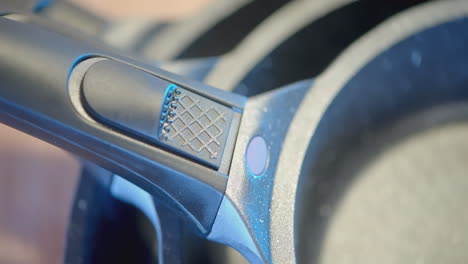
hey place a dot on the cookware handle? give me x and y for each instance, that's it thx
(172, 137)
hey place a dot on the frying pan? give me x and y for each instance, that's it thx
(363, 164)
(274, 40)
(212, 32)
(297, 42)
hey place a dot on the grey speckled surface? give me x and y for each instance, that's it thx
(407, 205)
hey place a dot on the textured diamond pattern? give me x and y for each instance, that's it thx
(199, 127)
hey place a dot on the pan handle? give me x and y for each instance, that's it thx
(170, 136)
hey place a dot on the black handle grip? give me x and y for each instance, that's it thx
(37, 68)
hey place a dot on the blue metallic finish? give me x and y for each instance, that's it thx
(169, 98)
(41, 5)
(267, 116)
(77, 61)
(276, 115)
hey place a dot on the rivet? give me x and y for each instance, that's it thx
(257, 156)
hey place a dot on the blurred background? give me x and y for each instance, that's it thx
(37, 180)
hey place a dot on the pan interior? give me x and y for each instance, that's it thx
(384, 179)
(399, 196)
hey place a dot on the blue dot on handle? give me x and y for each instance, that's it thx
(257, 156)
